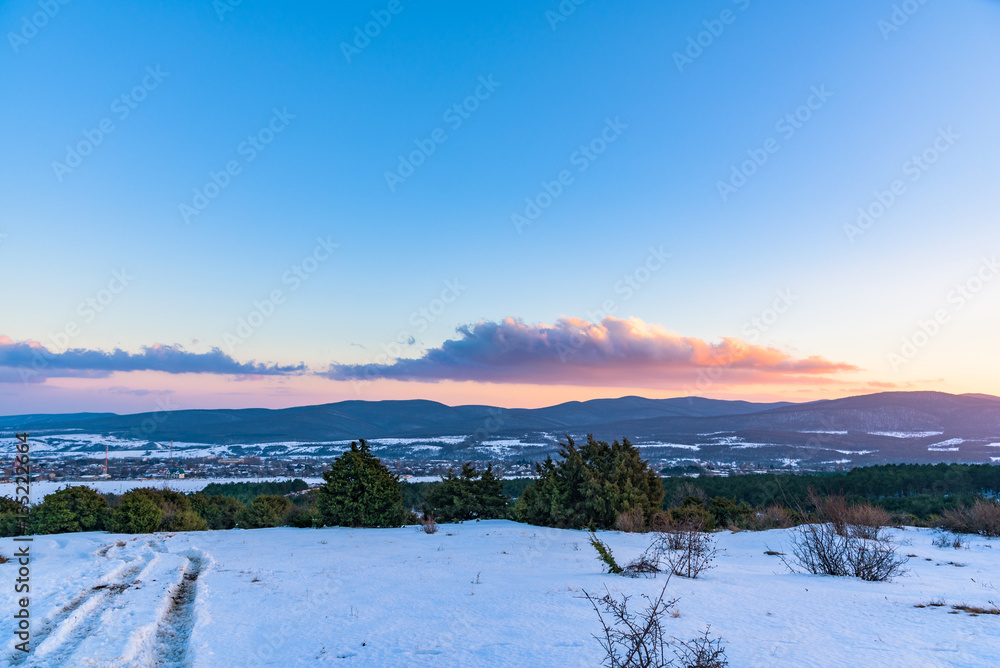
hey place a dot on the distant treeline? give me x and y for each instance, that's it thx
(921, 490)
(245, 492)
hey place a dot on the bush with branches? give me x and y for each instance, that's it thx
(982, 518)
(819, 549)
(633, 639)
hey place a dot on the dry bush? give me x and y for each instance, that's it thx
(428, 523)
(983, 518)
(629, 638)
(643, 566)
(867, 521)
(952, 540)
(631, 521)
(774, 516)
(685, 551)
(819, 549)
(830, 510)
(685, 490)
(3, 559)
(637, 639)
(702, 652)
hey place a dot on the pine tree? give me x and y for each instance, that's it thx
(590, 486)
(470, 494)
(359, 491)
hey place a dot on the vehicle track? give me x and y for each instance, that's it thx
(79, 617)
(173, 636)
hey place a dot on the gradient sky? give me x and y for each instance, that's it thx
(426, 287)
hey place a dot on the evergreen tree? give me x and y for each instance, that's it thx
(137, 513)
(359, 491)
(471, 494)
(69, 510)
(267, 510)
(590, 486)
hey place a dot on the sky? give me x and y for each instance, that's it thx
(235, 204)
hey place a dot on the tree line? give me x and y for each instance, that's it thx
(594, 485)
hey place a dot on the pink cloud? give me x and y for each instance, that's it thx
(616, 352)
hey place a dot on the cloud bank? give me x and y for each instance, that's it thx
(29, 361)
(616, 352)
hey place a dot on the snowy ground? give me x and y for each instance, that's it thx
(475, 594)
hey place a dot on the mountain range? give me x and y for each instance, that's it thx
(884, 427)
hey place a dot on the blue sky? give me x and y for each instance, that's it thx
(554, 85)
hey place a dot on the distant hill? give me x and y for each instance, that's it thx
(875, 428)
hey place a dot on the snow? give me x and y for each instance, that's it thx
(679, 446)
(476, 594)
(906, 434)
(946, 446)
(41, 488)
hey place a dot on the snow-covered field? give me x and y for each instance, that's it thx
(476, 594)
(186, 485)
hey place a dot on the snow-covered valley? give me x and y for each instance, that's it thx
(492, 593)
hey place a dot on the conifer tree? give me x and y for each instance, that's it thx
(359, 491)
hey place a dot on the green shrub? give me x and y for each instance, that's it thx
(469, 495)
(590, 486)
(359, 491)
(220, 512)
(263, 512)
(137, 513)
(69, 510)
(604, 554)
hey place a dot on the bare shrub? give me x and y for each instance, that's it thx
(774, 516)
(952, 540)
(867, 521)
(637, 639)
(983, 518)
(830, 510)
(428, 522)
(687, 551)
(702, 652)
(686, 490)
(633, 638)
(819, 549)
(3, 559)
(643, 566)
(631, 521)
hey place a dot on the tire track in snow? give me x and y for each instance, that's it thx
(88, 603)
(174, 633)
